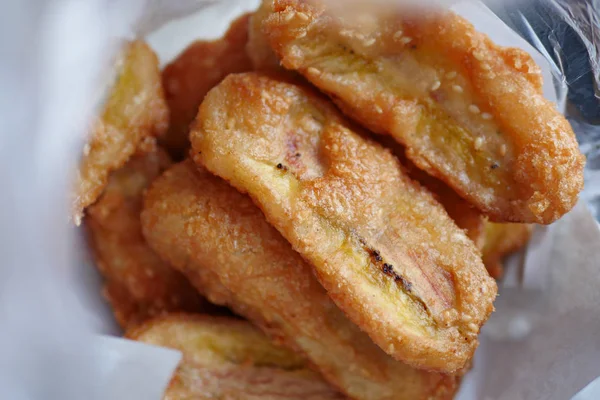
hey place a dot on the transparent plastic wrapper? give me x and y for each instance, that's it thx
(542, 342)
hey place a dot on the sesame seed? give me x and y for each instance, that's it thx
(503, 150)
(303, 16)
(451, 75)
(436, 85)
(301, 35)
(457, 88)
(473, 109)
(378, 109)
(486, 116)
(313, 71)
(369, 42)
(405, 40)
(398, 35)
(346, 33)
(288, 17)
(478, 55)
(486, 67)
(473, 327)
(478, 143)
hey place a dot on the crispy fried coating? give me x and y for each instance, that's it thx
(136, 109)
(502, 240)
(461, 211)
(138, 284)
(222, 242)
(258, 48)
(385, 250)
(226, 358)
(469, 112)
(194, 72)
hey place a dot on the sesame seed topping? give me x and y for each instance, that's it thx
(369, 42)
(398, 35)
(288, 16)
(301, 35)
(346, 33)
(303, 16)
(405, 40)
(478, 55)
(436, 85)
(457, 88)
(473, 109)
(478, 143)
(503, 150)
(486, 116)
(451, 75)
(313, 71)
(378, 109)
(486, 67)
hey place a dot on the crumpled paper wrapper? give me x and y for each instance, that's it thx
(542, 342)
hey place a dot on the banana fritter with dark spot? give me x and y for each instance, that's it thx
(342, 198)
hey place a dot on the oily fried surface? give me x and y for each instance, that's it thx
(385, 250)
(134, 110)
(461, 211)
(194, 72)
(225, 358)
(469, 112)
(138, 284)
(222, 242)
(258, 48)
(500, 241)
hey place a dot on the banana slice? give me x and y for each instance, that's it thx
(501, 240)
(136, 109)
(226, 358)
(386, 252)
(138, 284)
(188, 78)
(222, 242)
(469, 112)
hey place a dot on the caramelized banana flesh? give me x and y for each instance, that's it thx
(222, 242)
(469, 112)
(227, 358)
(138, 284)
(135, 109)
(386, 252)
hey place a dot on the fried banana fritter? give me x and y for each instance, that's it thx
(194, 72)
(500, 241)
(135, 109)
(226, 358)
(469, 112)
(385, 250)
(222, 242)
(138, 284)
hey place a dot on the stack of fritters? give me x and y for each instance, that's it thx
(364, 259)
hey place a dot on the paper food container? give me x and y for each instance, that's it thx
(57, 337)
